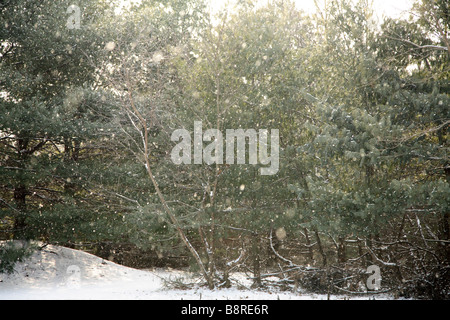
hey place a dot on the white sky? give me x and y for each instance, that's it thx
(392, 8)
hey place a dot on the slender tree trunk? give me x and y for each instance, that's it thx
(445, 225)
(20, 193)
(212, 248)
(145, 136)
(76, 150)
(394, 249)
(319, 244)
(308, 243)
(67, 149)
(361, 253)
(181, 233)
(256, 261)
(341, 252)
(369, 258)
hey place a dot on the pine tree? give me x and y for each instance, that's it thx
(52, 122)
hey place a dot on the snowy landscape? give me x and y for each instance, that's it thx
(212, 149)
(58, 273)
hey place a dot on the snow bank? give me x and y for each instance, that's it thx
(63, 273)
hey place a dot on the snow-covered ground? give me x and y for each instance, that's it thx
(63, 273)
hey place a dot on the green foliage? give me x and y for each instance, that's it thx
(53, 124)
(362, 112)
(12, 252)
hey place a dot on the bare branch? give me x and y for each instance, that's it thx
(428, 46)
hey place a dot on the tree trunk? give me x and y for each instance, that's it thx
(20, 193)
(145, 137)
(341, 252)
(445, 226)
(322, 253)
(310, 250)
(76, 150)
(256, 261)
(369, 258)
(361, 253)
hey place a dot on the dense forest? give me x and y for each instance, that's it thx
(91, 95)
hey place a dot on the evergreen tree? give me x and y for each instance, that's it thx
(52, 123)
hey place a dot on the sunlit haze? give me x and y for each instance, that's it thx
(394, 9)
(382, 7)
